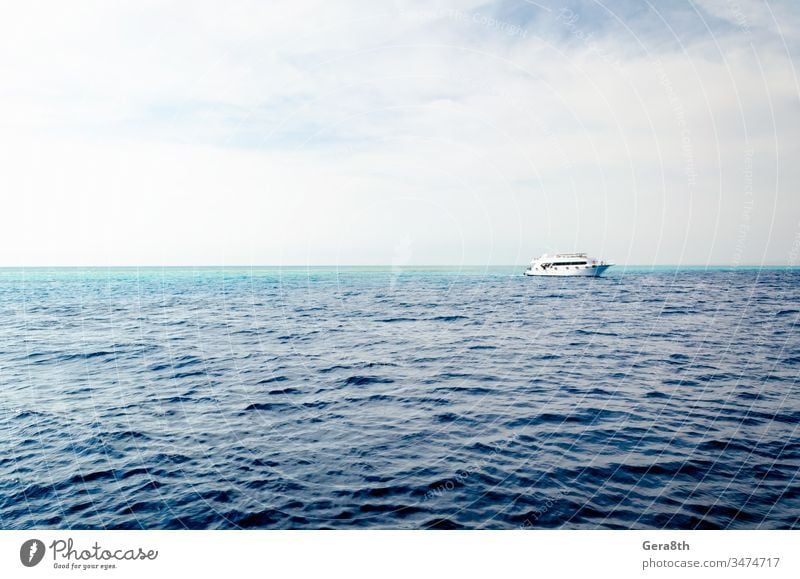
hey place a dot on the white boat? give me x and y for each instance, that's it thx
(567, 264)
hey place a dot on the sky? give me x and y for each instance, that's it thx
(399, 133)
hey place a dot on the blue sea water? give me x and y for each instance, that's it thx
(418, 398)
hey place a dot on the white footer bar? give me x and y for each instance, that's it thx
(373, 554)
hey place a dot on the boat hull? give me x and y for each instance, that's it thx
(595, 271)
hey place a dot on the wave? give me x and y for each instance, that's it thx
(437, 402)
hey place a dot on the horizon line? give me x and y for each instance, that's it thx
(383, 265)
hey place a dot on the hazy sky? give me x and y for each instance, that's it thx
(398, 132)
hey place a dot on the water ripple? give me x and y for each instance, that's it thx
(221, 399)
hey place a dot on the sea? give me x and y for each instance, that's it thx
(399, 398)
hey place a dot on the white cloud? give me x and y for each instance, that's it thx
(336, 133)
